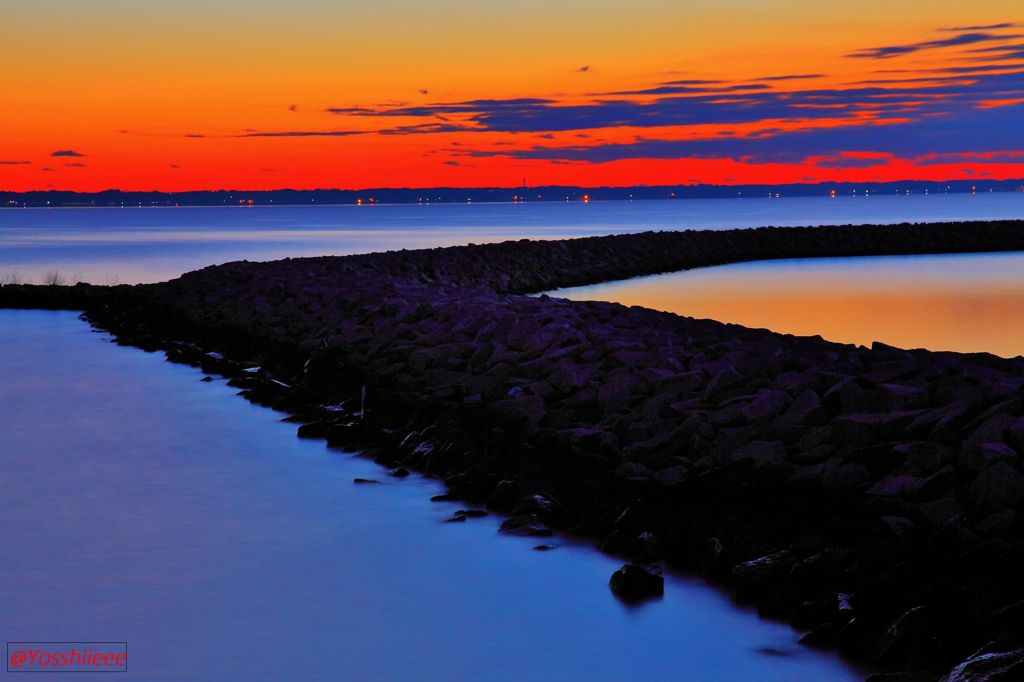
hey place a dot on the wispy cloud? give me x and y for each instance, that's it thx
(790, 77)
(15, 163)
(986, 27)
(890, 51)
(66, 152)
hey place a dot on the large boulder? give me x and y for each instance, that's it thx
(805, 410)
(634, 582)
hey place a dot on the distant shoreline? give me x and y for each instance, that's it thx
(462, 195)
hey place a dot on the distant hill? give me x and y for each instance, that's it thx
(387, 195)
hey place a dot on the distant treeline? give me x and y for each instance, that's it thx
(492, 194)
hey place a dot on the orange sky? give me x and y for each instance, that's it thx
(139, 94)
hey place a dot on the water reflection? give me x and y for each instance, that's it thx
(967, 303)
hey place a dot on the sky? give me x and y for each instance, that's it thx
(212, 94)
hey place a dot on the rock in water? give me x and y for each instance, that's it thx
(634, 582)
(527, 525)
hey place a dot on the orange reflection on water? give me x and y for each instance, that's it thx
(965, 303)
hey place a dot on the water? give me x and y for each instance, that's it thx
(129, 245)
(962, 302)
(143, 505)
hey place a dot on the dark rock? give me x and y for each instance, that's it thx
(1002, 666)
(716, 561)
(471, 513)
(940, 512)
(910, 631)
(996, 488)
(927, 456)
(636, 582)
(766, 405)
(651, 545)
(914, 676)
(823, 637)
(895, 485)
(806, 410)
(1001, 523)
(980, 456)
(313, 430)
(942, 481)
(753, 578)
(762, 454)
(671, 475)
(899, 527)
(845, 476)
(504, 496)
(400, 472)
(545, 548)
(364, 481)
(528, 525)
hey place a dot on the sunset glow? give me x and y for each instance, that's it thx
(190, 95)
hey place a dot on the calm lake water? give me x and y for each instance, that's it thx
(962, 302)
(143, 505)
(129, 245)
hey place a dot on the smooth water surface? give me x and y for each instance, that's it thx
(961, 302)
(143, 505)
(129, 245)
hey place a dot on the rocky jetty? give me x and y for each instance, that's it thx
(871, 496)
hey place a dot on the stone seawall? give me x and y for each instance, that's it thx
(870, 496)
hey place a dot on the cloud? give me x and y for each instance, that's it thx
(424, 91)
(293, 107)
(66, 152)
(891, 51)
(75, 165)
(15, 163)
(966, 129)
(584, 69)
(351, 111)
(48, 170)
(987, 27)
(726, 106)
(848, 160)
(1016, 157)
(174, 165)
(790, 77)
(297, 133)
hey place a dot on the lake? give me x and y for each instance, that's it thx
(130, 245)
(143, 505)
(960, 302)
